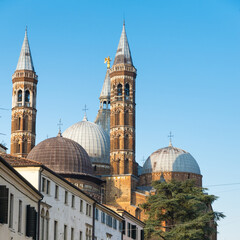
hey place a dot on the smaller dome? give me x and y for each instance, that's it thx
(92, 138)
(62, 155)
(171, 159)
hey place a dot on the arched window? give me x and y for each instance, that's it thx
(126, 118)
(25, 123)
(126, 89)
(27, 96)
(126, 166)
(19, 124)
(126, 142)
(119, 89)
(117, 118)
(42, 224)
(18, 147)
(116, 142)
(19, 96)
(47, 225)
(24, 146)
(104, 105)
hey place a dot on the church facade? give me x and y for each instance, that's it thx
(98, 157)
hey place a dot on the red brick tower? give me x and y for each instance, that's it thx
(24, 79)
(123, 177)
(122, 117)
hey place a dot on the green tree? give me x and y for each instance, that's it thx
(180, 211)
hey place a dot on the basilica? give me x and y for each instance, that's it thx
(97, 157)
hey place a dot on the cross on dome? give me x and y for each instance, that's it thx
(170, 139)
(85, 113)
(59, 126)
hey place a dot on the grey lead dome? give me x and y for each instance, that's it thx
(92, 138)
(171, 159)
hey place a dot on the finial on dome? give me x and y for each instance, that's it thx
(170, 139)
(85, 113)
(59, 133)
(59, 126)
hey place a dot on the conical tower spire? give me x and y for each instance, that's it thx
(25, 60)
(106, 89)
(123, 54)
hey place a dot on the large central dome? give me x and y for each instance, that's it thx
(62, 155)
(92, 138)
(171, 159)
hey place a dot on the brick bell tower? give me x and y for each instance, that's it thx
(123, 177)
(24, 80)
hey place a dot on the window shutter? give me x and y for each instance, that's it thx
(4, 204)
(123, 226)
(31, 225)
(142, 234)
(133, 234)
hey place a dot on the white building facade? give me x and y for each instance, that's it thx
(108, 224)
(132, 227)
(19, 205)
(66, 213)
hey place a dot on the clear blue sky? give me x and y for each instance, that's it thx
(187, 54)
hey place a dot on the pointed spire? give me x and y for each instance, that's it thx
(25, 60)
(123, 54)
(106, 89)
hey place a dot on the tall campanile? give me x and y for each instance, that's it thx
(123, 178)
(24, 80)
(122, 117)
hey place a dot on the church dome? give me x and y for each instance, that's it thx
(92, 138)
(62, 155)
(171, 159)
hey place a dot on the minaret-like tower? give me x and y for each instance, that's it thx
(24, 80)
(122, 182)
(122, 117)
(103, 116)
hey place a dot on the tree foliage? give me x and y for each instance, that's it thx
(180, 211)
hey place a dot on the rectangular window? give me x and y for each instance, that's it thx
(66, 197)
(4, 195)
(80, 236)
(48, 187)
(133, 232)
(20, 216)
(109, 221)
(72, 233)
(55, 233)
(56, 192)
(103, 217)
(86, 208)
(142, 234)
(73, 201)
(123, 227)
(81, 205)
(65, 232)
(96, 213)
(114, 223)
(129, 230)
(43, 184)
(90, 211)
(120, 226)
(11, 211)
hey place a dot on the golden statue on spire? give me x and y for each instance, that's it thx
(107, 60)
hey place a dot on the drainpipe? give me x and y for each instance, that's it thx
(39, 203)
(93, 223)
